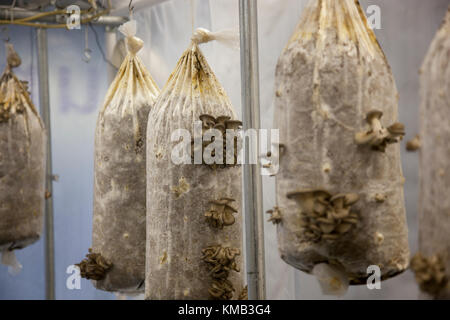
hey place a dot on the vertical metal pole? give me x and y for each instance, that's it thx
(254, 223)
(44, 104)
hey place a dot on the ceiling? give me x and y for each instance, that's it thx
(120, 7)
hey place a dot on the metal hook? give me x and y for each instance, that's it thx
(87, 51)
(130, 9)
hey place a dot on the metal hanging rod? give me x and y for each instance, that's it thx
(254, 220)
(44, 106)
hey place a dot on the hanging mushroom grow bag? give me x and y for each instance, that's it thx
(340, 185)
(432, 264)
(117, 257)
(194, 225)
(22, 163)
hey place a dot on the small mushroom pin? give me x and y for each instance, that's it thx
(275, 215)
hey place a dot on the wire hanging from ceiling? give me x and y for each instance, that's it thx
(97, 41)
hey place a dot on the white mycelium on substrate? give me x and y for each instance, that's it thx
(22, 165)
(432, 265)
(340, 185)
(117, 259)
(194, 225)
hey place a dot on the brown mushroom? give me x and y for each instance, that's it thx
(275, 217)
(233, 124)
(413, 144)
(207, 120)
(377, 136)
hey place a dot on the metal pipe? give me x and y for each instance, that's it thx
(254, 220)
(44, 106)
(110, 45)
(6, 14)
(110, 21)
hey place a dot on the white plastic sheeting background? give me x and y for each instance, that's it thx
(77, 91)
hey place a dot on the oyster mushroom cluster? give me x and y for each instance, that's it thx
(323, 216)
(221, 123)
(221, 213)
(244, 294)
(377, 136)
(221, 261)
(430, 273)
(94, 266)
(13, 59)
(221, 289)
(275, 215)
(271, 159)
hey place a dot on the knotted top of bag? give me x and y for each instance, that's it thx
(229, 38)
(343, 20)
(192, 89)
(14, 96)
(12, 58)
(133, 85)
(134, 44)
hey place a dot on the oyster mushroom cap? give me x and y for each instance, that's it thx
(414, 144)
(207, 117)
(322, 195)
(340, 213)
(227, 199)
(207, 120)
(397, 129)
(350, 220)
(351, 198)
(219, 126)
(346, 199)
(227, 206)
(373, 114)
(228, 219)
(344, 228)
(307, 198)
(233, 124)
(338, 200)
(330, 236)
(320, 207)
(222, 119)
(220, 202)
(307, 192)
(326, 227)
(325, 220)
